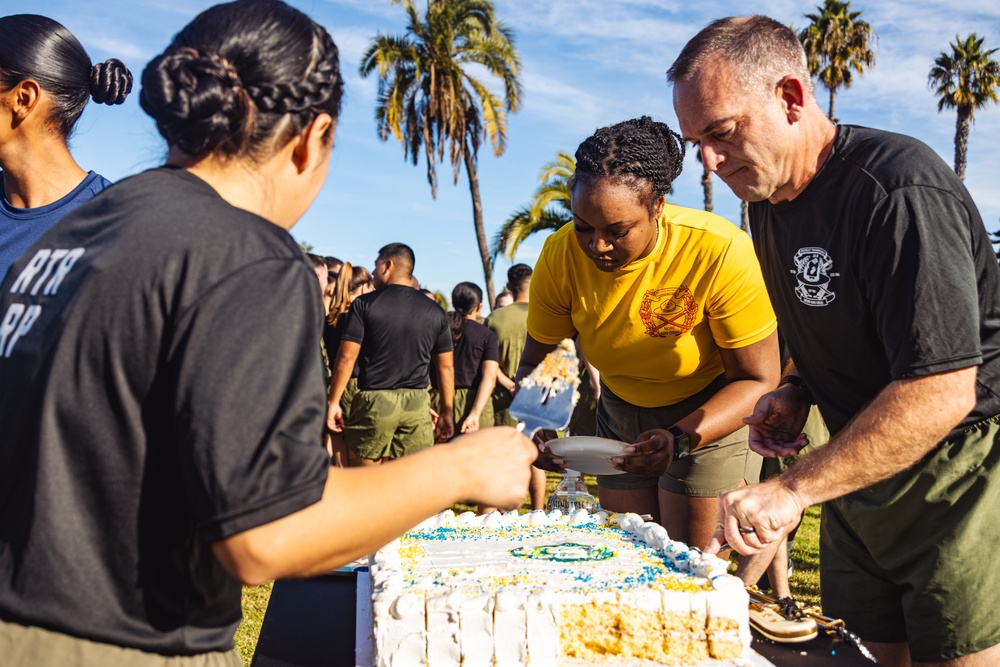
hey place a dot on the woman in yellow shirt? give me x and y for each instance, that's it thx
(669, 305)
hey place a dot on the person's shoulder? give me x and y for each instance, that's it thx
(889, 159)
(560, 240)
(702, 227)
(511, 313)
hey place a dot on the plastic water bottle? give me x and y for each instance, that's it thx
(571, 494)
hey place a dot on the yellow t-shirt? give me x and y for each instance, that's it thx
(654, 328)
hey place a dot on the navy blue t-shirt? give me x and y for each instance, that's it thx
(21, 227)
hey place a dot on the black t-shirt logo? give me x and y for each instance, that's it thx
(812, 270)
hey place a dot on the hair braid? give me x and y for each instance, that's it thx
(640, 153)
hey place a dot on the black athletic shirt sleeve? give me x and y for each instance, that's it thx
(248, 429)
(922, 287)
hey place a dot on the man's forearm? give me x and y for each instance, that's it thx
(898, 428)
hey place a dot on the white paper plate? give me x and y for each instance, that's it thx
(587, 454)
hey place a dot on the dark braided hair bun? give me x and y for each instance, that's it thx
(640, 153)
(110, 82)
(242, 79)
(197, 101)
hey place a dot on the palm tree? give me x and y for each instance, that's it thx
(744, 216)
(429, 100)
(549, 208)
(966, 79)
(837, 43)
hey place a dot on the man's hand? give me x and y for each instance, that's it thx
(650, 455)
(335, 417)
(777, 422)
(445, 427)
(752, 517)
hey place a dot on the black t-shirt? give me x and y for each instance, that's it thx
(162, 388)
(881, 269)
(331, 339)
(477, 344)
(398, 329)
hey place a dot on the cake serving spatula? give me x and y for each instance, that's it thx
(545, 398)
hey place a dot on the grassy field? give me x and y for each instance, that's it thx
(804, 581)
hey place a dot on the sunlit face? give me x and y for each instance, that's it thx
(611, 223)
(323, 276)
(742, 135)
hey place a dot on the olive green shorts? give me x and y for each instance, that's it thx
(30, 646)
(347, 398)
(464, 398)
(913, 558)
(389, 423)
(709, 470)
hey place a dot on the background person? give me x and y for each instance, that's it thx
(874, 231)
(510, 325)
(46, 79)
(394, 334)
(352, 281)
(477, 359)
(670, 308)
(162, 409)
(504, 298)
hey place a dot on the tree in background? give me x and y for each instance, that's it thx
(429, 100)
(549, 208)
(837, 44)
(967, 79)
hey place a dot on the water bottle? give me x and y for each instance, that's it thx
(571, 494)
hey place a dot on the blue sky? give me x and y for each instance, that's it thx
(586, 63)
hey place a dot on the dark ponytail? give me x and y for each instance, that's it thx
(36, 47)
(641, 153)
(465, 298)
(231, 77)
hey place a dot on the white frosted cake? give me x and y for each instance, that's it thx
(545, 589)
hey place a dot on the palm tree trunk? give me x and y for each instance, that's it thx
(706, 183)
(477, 218)
(833, 94)
(744, 216)
(961, 140)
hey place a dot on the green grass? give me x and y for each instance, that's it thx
(804, 581)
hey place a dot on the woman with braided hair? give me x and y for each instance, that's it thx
(46, 79)
(670, 308)
(162, 402)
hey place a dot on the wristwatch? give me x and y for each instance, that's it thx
(800, 383)
(682, 442)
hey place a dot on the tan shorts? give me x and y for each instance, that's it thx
(29, 646)
(709, 470)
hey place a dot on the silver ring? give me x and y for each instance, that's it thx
(747, 531)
